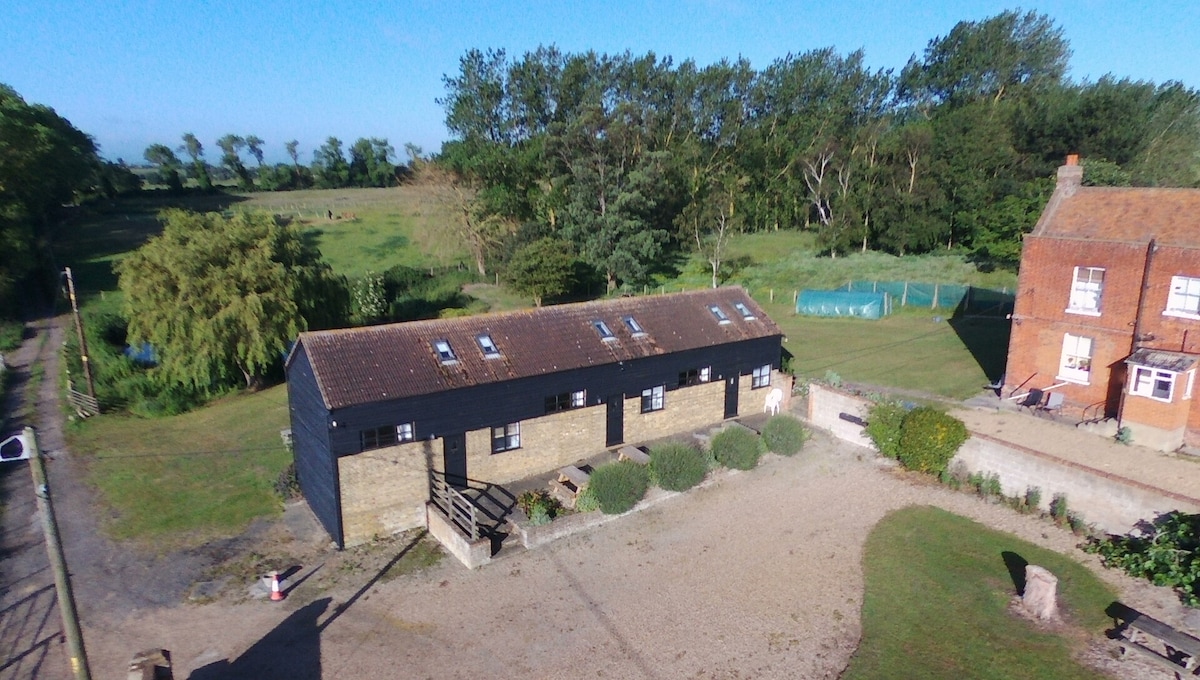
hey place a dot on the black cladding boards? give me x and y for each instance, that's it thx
(316, 468)
(494, 404)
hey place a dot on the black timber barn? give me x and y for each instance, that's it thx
(499, 397)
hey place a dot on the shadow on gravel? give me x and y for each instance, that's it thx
(29, 629)
(291, 651)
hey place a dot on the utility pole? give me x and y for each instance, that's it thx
(83, 350)
(58, 561)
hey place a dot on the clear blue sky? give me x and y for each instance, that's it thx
(134, 73)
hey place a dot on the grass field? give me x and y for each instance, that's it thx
(938, 588)
(180, 480)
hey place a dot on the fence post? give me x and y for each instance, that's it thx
(935, 295)
(795, 297)
(904, 296)
(772, 295)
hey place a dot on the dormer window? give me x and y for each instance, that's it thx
(634, 326)
(719, 313)
(744, 311)
(489, 348)
(444, 351)
(605, 332)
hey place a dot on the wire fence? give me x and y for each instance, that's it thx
(962, 298)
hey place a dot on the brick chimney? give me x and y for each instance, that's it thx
(1070, 176)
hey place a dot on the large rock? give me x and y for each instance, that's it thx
(1041, 593)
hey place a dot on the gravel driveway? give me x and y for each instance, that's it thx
(756, 576)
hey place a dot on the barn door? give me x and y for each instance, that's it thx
(615, 429)
(731, 396)
(454, 458)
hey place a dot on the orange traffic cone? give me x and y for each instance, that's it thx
(276, 593)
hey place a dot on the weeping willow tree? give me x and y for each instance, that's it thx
(220, 298)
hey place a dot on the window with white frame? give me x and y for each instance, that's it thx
(1076, 362)
(634, 326)
(506, 437)
(387, 435)
(1152, 382)
(695, 376)
(605, 332)
(744, 310)
(566, 401)
(1086, 289)
(1184, 298)
(487, 345)
(719, 313)
(444, 351)
(652, 399)
(761, 377)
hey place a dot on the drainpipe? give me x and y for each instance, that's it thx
(1136, 343)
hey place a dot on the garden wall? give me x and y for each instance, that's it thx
(1111, 503)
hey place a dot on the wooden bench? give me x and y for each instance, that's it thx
(570, 483)
(632, 453)
(1145, 635)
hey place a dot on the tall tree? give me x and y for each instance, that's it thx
(199, 170)
(542, 269)
(44, 162)
(988, 59)
(330, 169)
(254, 145)
(219, 298)
(162, 157)
(231, 146)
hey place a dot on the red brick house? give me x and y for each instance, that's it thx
(1108, 308)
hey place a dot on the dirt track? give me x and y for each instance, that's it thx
(756, 576)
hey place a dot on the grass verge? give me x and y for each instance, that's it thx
(938, 587)
(182, 480)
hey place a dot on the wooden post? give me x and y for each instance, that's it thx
(935, 293)
(58, 562)
(904, 296)
(772, 295)
(83, 350)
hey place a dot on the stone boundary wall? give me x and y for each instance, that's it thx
(1112, 503)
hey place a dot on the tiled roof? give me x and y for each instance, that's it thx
(1177, 362)
(1171, 216)
(380, 363)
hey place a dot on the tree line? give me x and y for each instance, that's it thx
(625, 157)
(45, 162)
(371, 163)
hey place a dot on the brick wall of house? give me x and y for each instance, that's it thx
(547, 443)
(753, 400)
(1171, 333)
(684, 409)
(384, 490)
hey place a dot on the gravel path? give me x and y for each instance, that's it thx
(756, 576)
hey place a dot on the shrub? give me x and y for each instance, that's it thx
(287, 485)
(539, 506)
(929, 439)
(991, 486)
(586, 501)
(884, 421)
(737, 448)
(677, 466)
(618, 486)
(1033, 498)
(1167, 555)
(1058, 507)
(784, 435)
(1124, 435)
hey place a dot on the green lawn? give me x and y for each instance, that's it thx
(180, 480)
(938, 589)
